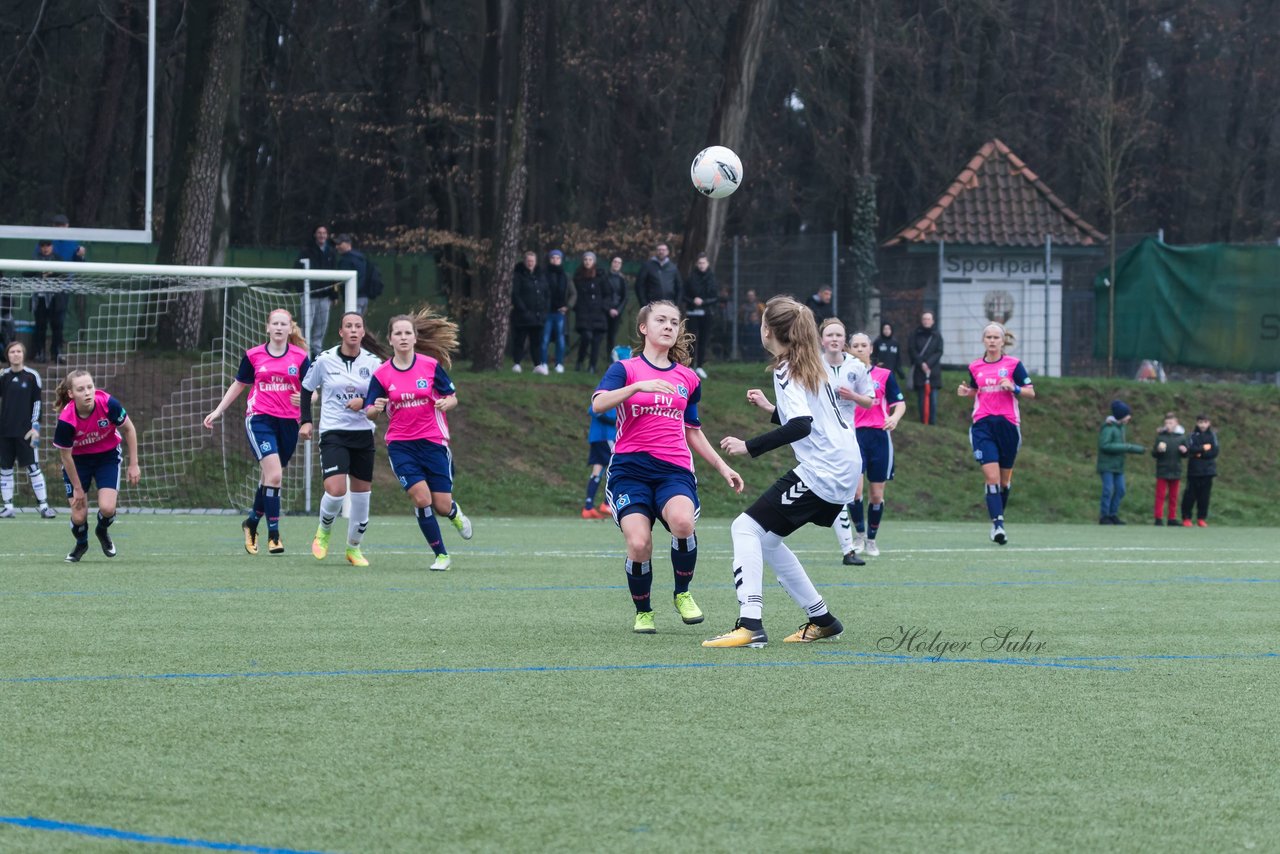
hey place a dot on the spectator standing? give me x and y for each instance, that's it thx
(530, 302)
(749, 315)
(591, 310)
(1113, 444)
(1201, 449)
(659, 279)
(700, 298)
(319, 254)
(1168, 453)
(562, 297)
(885, 352)
(925, 353)
(821, 306)
(368, 279)
(617, 295)
(49, 308)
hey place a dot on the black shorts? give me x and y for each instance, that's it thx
(789, 505)
(347, 452)
(16, 448)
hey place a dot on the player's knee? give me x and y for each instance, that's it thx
(744, 526)
(32, 470)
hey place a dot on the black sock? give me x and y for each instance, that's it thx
(752, 623)
(823, 620)
(80, 532)
(640, 581)
(684, 558)
(1004, 497)
(104, 522)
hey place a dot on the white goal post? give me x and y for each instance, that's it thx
(116, 314)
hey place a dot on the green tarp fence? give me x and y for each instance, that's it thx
(1211, 306)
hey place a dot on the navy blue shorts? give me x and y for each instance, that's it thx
(995, 439)
(416, 460)
(102, 469)
(639, 483)
(269, 434)
(877, 453)
(599, 454)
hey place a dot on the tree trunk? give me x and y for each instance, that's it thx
(105, 117)
(497, 304)
(215, 38)
(743, 52)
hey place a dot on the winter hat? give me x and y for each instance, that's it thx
(1120, 410)
(555, 253)
(588, 254)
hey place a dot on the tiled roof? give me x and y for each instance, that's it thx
(997, 201)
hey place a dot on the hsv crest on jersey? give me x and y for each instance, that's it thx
(682, 391)
(102, 422)
(621, 501)
(293, 370)
(422, 383)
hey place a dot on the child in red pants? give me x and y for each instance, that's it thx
(1168, 468)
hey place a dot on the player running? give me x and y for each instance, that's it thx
(996, 381)
(274, 370)
(814, 491)
(87, 436)
(851, 381)
(20, 392)
(346, 436)
(650, 475)
(416, 392)
(873, 427)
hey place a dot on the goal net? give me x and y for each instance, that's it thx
(120, 325)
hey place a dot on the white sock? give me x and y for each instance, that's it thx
(37, 485)
(844, 531)
(330, 505)
(359, 520)
(748, 566)
(791, 575)
(6, 486)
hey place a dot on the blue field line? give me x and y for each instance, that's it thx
(33, 823)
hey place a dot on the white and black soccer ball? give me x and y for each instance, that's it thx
(716, 172)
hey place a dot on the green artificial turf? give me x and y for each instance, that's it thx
(184, 689)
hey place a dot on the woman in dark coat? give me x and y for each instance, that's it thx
(886, 353)
(591, 312)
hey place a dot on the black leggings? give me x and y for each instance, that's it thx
(589, 340)
(701, 329)
(1197, 496)
(522, 334)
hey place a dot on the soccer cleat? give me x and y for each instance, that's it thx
(78, 552)
(250, 537)
(274, 546)
(739, 637)
(860, 542)
(688, 609)
(1186, 523)
(462, 523)
(441, 563)
(1202, 523)
(809, 632)
(320, 545)
(7, 512)
(605, 511)
(998, 535)
(104, 540)
(589, 513)
(852, 559)
(873, 550)
(47, 512)
(644, 623)
(355, 558)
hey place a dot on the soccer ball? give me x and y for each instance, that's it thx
(716, 172)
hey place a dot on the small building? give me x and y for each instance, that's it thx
(998, 245)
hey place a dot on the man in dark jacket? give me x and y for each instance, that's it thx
(659, 279)
(700, 297)
(354, 259)
(617, 302)
(925, 353)
(1201, 450)
(821, 306)
(319, 254)
(529, 304)
(591, 312)
(562, 298)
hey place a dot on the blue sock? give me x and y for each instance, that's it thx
(271, 499)
(855, 513)
(640, 582)
(873, 520)
(684, 557)
(995, 507)
(431, 529)
(259, 507)
(1004, 498)
(592, 485)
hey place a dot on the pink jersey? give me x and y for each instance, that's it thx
(411, 399)
(272, 380)
(990, 399)
(652, 423)
(878, 413)
(95, 433)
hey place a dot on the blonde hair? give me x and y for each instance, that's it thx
(295, 333)
(795, 336)
(1009, 338)
(834, 321)
(437, 334)
(62, 394)
(682, 350)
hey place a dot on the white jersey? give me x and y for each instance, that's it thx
(343, 380)
(830, 463)
(853, 375)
